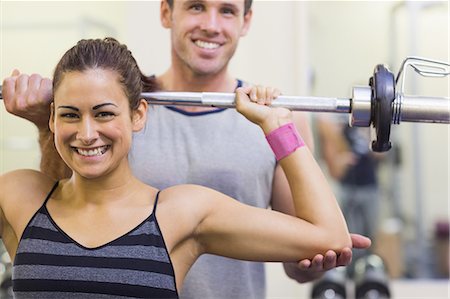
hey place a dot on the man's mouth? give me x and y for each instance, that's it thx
(92, 152)
(206, 45)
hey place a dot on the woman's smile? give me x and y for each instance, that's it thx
(93, 151)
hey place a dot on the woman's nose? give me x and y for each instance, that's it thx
(87, 131)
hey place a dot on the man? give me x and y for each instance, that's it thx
(204, 37)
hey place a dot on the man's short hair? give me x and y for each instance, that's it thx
(247, 5)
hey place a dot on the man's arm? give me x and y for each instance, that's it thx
(29, 97)
(51, 163)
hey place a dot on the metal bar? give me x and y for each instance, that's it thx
(410, 109)
(173, 98)
(424, 109)
(226, 100)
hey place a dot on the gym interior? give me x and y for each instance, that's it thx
(304, 48)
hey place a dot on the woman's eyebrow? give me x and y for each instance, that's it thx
(68, 107)
(101, 105)
(93, 108)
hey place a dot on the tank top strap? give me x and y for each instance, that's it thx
(156, 202)
(51, 192)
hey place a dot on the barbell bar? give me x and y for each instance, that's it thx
(378, 105)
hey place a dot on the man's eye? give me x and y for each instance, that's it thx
(196, 7)
(228, 11)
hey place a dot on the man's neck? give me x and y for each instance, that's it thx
(173, 80)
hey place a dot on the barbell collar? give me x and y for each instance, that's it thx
(361, 107)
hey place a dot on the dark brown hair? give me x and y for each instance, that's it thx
(247, 5)
(106, 54)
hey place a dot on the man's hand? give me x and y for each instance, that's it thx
(28, 97)
(308, 270)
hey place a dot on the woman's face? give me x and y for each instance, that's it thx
(92, 122)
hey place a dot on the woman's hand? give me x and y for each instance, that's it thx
(253, 102)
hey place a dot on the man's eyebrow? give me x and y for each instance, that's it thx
(68, 107)
(194, 1)
(101, 105)
(231, 5)
(189, 2)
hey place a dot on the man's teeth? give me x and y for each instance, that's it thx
(92, 152)
(206, 45)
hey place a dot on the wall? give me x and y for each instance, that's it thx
(34, 35)
(274, 26)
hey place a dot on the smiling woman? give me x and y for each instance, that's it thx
(99, 233)
(91, 121)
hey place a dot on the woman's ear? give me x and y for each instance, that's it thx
(140, 116)
(51, 120)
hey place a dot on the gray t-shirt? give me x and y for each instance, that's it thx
(224, 151)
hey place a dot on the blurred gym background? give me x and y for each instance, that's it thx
(321, 48)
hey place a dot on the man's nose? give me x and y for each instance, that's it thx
(210, 21)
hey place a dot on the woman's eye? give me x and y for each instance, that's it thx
(105, 114)
(69, 115)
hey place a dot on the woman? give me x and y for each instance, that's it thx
(102, 232)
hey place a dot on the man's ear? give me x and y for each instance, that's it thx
(140, 116)
(165, 14)
(247, 22)
(51, 120)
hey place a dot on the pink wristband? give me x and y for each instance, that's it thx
(284, 140)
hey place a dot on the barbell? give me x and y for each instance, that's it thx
(380, 104)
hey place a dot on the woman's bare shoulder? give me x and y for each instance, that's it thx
(26, 184)
(189, 192)
(22, 193)
(192, 199)
(181, 210)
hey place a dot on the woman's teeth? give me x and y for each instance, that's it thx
(92, 152)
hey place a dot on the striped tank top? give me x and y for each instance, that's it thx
(49, 264)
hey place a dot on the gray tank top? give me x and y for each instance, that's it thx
(49, 264)
(219, 149)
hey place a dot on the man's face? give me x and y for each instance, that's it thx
(205, 33)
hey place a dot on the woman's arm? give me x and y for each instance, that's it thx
(239, 231)
(22, 193)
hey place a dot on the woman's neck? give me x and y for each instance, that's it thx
(106, 189)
